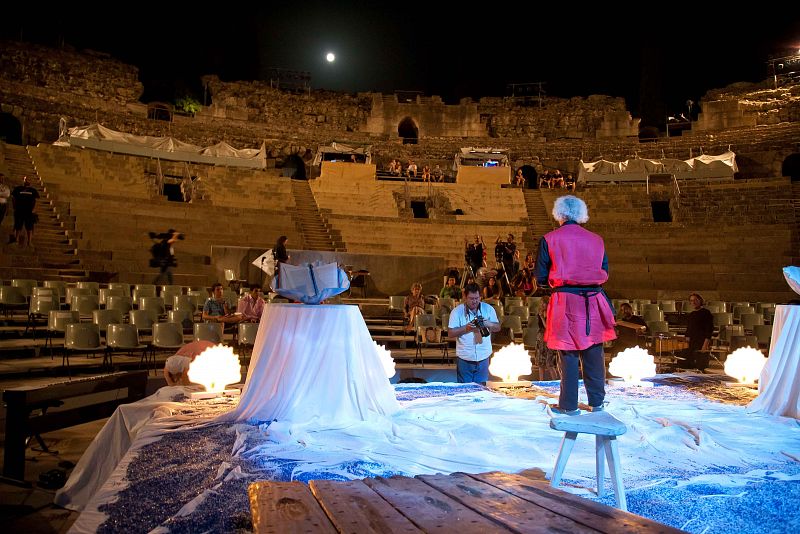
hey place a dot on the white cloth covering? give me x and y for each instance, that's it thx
(316, 367)
(779, 384)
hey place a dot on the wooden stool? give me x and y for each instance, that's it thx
(605, 428)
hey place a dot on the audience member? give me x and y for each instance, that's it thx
(507, 250)
(280, 255)
(413, 305)
(217, 310)
(524, 283)
(251, 305)
(23, 198)
(529, 262)
(450, 290)
(546, 180)
(699, 329)
(438, 175)
(519, 179)
(411, 170)
(626, 314)
(558, 180)
(474, 253)
(426, 173)
(569, 182)
(492, 292)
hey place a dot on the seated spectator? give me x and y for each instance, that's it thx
(524, 283)
(438, 175)
(177, 366)
(492, 292)
(413, 305)
(626, 314)
(216, 309)
(546, 180)
(529, 263)
(426, 174)
(411, 170)
(518, 180)
(394, 168)
(450, 290)
(558, 180)
(627, 336)
(251, 305)
(569, 182)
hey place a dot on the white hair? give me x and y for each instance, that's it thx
(570, 208)
(177, 364)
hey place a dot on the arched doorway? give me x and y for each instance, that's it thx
(10, 129)
(407, 129)
(294, 168)
(791, 167)
(531, 176)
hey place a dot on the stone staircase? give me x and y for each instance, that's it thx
(53, 255)
(317, 235)
(539, 221)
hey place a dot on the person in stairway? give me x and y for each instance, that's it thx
(5, 193)
(23, 199)
(163, 255)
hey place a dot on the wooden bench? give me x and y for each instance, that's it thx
(605, 428)
(480, 503)
(29, 414)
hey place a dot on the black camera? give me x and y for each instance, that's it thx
(481, 324)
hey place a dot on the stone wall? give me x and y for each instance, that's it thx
(596, 116)
(749, 104)
(429, 115)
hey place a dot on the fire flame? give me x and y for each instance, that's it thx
(385, 356)
(511, 362)
(215, 368)
(632, 365)
(745, 364)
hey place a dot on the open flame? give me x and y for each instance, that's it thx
(511, 362)
(385, 356)
(632, 365)
(214, 368)
(745, 364)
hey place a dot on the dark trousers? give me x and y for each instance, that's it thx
(164, 275)
(3, 208)
(594, 375)
(694, 358)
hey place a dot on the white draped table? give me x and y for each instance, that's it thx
(779, 384)
(314, 365)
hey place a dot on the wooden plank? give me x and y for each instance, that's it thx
(596, 515)
(286, 507)
(429, 509)
(354, 508)
(519, 515)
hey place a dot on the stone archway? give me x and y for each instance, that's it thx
(531, 176)
(791, 167)
(408, 130)
(10, 129)
(294, 167)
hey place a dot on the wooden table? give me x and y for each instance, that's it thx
(457, 503)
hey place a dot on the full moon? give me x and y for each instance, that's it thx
(330, 57)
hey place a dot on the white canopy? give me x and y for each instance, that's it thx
(722, 166)
(478, 156)
(99, 137)
(339, 148)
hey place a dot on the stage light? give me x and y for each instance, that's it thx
(511, 362)
(386, 359)
(632, 365)
(745, 364)
(214, 368)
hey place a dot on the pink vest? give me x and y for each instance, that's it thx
(576, 256)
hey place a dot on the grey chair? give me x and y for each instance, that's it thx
(514, 323)
(84, 304)
(764, 334)
(25, 286)
(40, 306)
(155, 305)
(182, 316)
(80, 337)
(430, 336)
(102, 318)
(530, 335)
(738, 342)
(395, 305)
(125, 288)
(12, 297)
(749, 320)
(57, 322)
(523, 312)
(59, 285)
(119, 302)
(93, 287)
(104, 293)
(123, 337)
(166, 336)
(208, 331)
(142, 320)
(246, 335)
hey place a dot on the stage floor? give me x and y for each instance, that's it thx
(692, 457)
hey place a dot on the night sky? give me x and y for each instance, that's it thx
(656, 63)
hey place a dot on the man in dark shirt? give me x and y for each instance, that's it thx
(474, 254)
(23, 198)
(699, 328)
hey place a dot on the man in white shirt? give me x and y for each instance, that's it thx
(473, 347)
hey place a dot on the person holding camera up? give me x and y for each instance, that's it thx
(471, 325)
(163, 255)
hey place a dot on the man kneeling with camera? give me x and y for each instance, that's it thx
(471, 325)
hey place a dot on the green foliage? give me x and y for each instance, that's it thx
(188, 104)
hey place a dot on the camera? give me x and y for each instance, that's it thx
(481, 324)
(164, 235)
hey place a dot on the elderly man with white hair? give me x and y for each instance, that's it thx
(573, 262)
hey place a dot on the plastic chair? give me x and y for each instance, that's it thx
(530, 335)
(41, 305)
(395, 305)
(182, 302)
(57, 321)
(425, 319)
(184, 317)
(447, 303)
(70, 292)
(246, 335)
(125, 288)
(430, 336)
(738, 311)
(535, 305)
(749, 320)
(764, 334)
(512, 301)
(513, 322)
(80, 337)
(93, 287)
(499, 310)
(103, 294)
(119, 302)
(12, 297)
(166, 336)
(667, 306)
(155, 305)
(142, 320)
(59, 285)
(722, 319)
(146, 290)
(123, 337)
(653, 314)
(102, 318)
(523, 312)
(208, 331)
(738, 342)
(84, 304)
(25, 286)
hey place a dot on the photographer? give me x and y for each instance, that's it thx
(473, 253)
(163, 255)
(471, 325)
